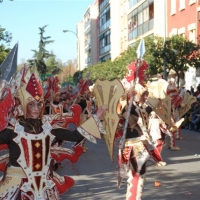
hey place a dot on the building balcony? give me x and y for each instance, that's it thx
(88, 61)
(141, 29)
(105, 49)
(87, 24)
(104, 26)
(103, 4)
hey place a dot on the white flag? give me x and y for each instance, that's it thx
(141, 49)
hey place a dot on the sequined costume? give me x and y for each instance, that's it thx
(138, 147)
(28, 173)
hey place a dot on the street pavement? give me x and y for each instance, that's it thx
(95, 175)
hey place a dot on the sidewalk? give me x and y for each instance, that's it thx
(95, 175)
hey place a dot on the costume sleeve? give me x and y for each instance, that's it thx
(5, 136)
(90, 129)
(64, 134)
(149, 109)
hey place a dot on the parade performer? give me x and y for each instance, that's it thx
(28, 174)
(52, 97)
(159, 89)
(136, 152)
(157, 133)
(177, 97)
(86, 102)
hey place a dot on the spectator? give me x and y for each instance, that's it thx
(195, 117)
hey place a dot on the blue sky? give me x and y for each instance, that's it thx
(24, 17)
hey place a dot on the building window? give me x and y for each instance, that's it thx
(132, 3)
(104, 58)
(174, 31)
(151, 11)
(182, 34)
(103, 4)
(198, 16)
(105, 43)
(192, 36)
(145, 14)
(140, 20)
(193, 1)
(132, 23)
(181, 4)
(104, 19)
(173, 7)
(181, 31)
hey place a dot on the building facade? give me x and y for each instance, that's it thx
(182, 18)
(109, 27)
(145, 18)
(87, 31)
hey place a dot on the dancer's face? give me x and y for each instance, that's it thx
(144, 97)
(34, 109)
(57, 97)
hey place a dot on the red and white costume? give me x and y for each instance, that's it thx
(27, 166)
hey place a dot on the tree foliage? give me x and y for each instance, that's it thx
(42, 54)
(52, 63)
(179, 54)
(5, 38)
(3, 53)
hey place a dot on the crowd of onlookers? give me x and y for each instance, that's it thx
(192, 117)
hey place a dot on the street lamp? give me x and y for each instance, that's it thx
(65, 31)
(165, 64)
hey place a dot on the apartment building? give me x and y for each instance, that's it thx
(183, 20)
(87, 31)
(109, 27)
(131, 20)
(146, 18)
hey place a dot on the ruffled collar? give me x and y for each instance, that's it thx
(31, 125)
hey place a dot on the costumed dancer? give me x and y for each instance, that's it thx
(53, 97)
(83, 97)
(158, 89)
(54, 106)
(157, 134)
(176, 100)
(159, 117)
(138, 145)
(28, 173)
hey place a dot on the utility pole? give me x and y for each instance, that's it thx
(165, 64)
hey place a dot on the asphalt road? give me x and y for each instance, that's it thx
(95, 175)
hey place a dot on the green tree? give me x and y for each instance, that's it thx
(179, 53)
(117, 69)
(3, 53)
(77, 76)
(42, 54)
(5, 38)
(52, 63)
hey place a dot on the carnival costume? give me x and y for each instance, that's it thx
(177, 98)
(138, 146)
(157, 132)
(27, 167)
